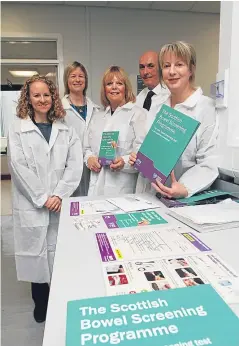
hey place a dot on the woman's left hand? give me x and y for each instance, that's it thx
(54, 204)
(117, 164)
(176, 190)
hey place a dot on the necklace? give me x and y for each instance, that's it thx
(84, 103)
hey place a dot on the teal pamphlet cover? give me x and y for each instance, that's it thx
(143, 218)
(191, 316)
(165, 142)
(204, 197)
(108, 147)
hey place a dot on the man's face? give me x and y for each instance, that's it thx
(149, 69)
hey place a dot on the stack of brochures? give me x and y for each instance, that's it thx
(205, 197)
(210, 217)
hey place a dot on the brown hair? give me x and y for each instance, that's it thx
(122, 75)
(25, 109)
(67, 72)
(183, 50)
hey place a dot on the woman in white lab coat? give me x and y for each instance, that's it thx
(46, 163)
(197, 168)
(123, 115)
(79, 109)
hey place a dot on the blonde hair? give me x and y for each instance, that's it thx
(180, 49)
(121, 74)
(24, 107)
(67, 72)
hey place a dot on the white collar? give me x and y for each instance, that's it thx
(159, 89)
(66, 102)
(192, 100)
(28, 125)
(128, 105)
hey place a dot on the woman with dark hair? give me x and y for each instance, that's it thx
(45, 159)
(79, 109)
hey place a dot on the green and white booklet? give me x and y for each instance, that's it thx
(108, 147)
(191, 316)
(164, 144)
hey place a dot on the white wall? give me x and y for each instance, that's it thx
(99, 37)
(228, 117)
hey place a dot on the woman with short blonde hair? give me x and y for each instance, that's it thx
(120, 114)
(197, 168)
(181, 49)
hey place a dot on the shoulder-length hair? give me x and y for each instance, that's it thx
(68, 71)
(180, 49)
(24, 107)
(123, 77)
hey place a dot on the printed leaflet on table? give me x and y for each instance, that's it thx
(147, 242)
(172, 272)
(132, 203)
(92, 207)
(192, 316)
(115, 221)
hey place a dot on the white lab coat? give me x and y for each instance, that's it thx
(40, 170)
(130, 121)
(197, 167)
(157, 99)
(74, 119)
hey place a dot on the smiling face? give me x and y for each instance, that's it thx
(40, 97)
(176, 73)
(76, 81)
(115, 91)
(149, 69)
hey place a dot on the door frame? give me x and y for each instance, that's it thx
(36, 37)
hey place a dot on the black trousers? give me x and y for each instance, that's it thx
(40, 293)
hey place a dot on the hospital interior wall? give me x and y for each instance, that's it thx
(99, 37)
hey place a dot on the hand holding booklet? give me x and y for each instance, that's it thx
(164, 144)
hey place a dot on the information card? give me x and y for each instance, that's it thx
(193, 316)
(165, 142)
(108, 147)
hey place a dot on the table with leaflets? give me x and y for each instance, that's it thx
(96, 256)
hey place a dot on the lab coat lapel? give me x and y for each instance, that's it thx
(56, 126)
(28, 125)
(54, 133)
(90, 107)
(66, 104)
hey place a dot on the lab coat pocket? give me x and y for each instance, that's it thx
(34, 217)
(60, 156)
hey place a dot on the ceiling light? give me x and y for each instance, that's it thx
(23, 73)
(51, 74)
(21, 42)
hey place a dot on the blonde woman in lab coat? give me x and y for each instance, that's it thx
(123, 115)
(79, 109)
(197, 168)
(46, 163)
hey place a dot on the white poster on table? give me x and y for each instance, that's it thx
(129, 277)
(147, 243)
